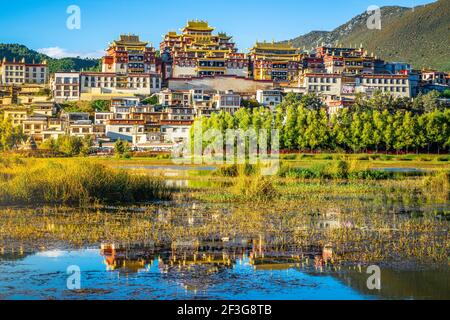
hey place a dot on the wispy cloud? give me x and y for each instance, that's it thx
(57, 52)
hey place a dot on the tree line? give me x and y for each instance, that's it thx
(380, 123)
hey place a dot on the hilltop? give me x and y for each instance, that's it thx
(418, 35)
(18, 51)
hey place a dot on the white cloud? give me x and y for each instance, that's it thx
(51, 254)
(57, 52)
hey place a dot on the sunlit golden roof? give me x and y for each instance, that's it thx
(130, 40)
(198, 26)
(274, 45)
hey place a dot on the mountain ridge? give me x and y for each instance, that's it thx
(414, 35)
(17, 51)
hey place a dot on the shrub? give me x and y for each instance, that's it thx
(235, 170)
(362, 158)
(385, 157)
(255, 188)
(370, 175)
(227, 171)
(295, 173)
(289, 157)
(320, 171)
(340, 169)
(438, 184)
(443, 158)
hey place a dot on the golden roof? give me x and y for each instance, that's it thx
(274, 45)
(198, 26)
(130, 40)
(223, 35)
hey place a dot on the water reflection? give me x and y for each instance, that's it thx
(182, 250)
(222, 270)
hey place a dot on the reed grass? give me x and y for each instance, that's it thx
(77, 181)
(254, 188)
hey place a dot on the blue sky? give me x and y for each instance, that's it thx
(42, 24)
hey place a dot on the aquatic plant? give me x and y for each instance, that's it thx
(77, 182)
(255, 188)
(438, 185)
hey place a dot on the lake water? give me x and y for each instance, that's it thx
(310, 249)
(152, 275)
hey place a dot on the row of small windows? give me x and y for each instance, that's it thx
(321, 88)
(136, 65)
(66, 94)
(384, 81)
(128, 129)
(21, 68)
(216, 64)
(182, 118)
(22, 80)
(391, 89)
(81, 130)
(67, 80)
(17, 74)
(323, 80)
(211, 73)
(175, 130)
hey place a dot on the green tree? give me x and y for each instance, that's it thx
(10, 136)
(356, 129)
(290, 130)
(100, 106)
(70, 145)
(379, 126)
(121, 148)
(367, 139)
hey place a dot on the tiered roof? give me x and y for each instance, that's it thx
(129, 40)
(196, 25)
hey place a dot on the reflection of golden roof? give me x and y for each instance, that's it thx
(198, 26)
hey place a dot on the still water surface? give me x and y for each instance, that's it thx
(133, 275)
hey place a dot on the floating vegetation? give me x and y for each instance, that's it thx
(352, 231)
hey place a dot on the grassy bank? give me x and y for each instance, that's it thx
(73, 181)
(95, 180)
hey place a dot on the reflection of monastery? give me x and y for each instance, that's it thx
(210, 257)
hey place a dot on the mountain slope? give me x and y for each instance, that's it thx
(419, 36)
(17, 51)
